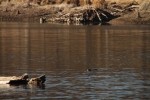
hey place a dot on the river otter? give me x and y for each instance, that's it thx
(38, 81)
(24, 80)
(92, 69)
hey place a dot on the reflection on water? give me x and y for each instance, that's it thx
(64, 53)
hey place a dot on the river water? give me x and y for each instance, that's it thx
(120, 55)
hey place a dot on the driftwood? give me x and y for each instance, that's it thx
(24, 80)
(118, 8)
(97, 15)
(90, 15)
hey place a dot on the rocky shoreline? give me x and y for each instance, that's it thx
(112, 13)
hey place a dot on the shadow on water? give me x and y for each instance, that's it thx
(120, 55)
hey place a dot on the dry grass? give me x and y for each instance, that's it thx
(75, 2)
(145, 6)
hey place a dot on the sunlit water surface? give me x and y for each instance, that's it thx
(121, 55)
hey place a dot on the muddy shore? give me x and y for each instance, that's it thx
(23, 13)
(33, 13)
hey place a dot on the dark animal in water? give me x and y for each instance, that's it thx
(25, 76)
(38, 80)
(24, 80)
(18, 82)
(90, 70)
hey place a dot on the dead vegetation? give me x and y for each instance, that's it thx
(94, 14)
(83, 16)
(74, 11)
